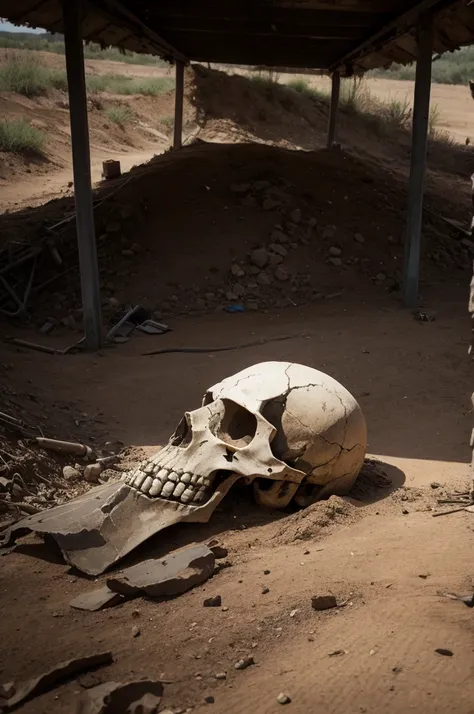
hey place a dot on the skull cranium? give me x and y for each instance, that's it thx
(291, 430)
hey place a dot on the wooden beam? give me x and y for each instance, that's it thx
(387, 33)
(88, 265)
(421, 112)
(333, 109)
(123, 17)
(178, 106)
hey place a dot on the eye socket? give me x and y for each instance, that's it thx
(182, 435)
(236, 426)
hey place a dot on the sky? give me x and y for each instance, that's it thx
(8, 27)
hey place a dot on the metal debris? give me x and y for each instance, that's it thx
(97, 600)
(47, 680)
(166, 577)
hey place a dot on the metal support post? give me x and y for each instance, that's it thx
(88, 265)
(333, 109)
(178, 106)
(419, 142)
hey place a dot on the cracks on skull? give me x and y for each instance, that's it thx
(333, 458)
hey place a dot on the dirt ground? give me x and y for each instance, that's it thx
(390, 559)
(171, 236)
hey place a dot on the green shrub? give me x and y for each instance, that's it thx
(17, 136)
(120, 115)
(24, 75)
(303, 87)
(118, 84)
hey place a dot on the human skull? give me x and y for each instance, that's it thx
(290, 430)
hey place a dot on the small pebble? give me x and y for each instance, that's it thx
(265, 590)
(209, 699)
(215, 601)
(135, 614)
(266, 572)
(405, 511)
(283, 698)
(221, 675)
(444, 652)
(135, 631)
(244, 663)
(435, 484)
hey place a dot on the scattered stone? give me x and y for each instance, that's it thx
(48, 326)
(334, 251)
(269, 204)
(237, 271)
(225, 608)
(381, 277)
(249, 201)
(200, 304)
(139, 697)
(173, 575)
(215, 601)
(259, 257)
(329, 232)
(71, 474)
(435, 484)
(244, 662)
(209, 699)
(264, 279)
(135, 631)
(283, 698)
(337, 653)
(69, 322)
(231, 296)
(265, 590)
(323, 602)
(113, 302)
(278, 236)
(92, 472)
(405, 511)
(275, 259)
(282, 274)
(218, 550)
(279, 249)
(337, 262)
(444, 652)
(135, 614)
(295, 215)
(267, 572)
(135, 247)
(359, 238)
(127, 253)
(221, 675)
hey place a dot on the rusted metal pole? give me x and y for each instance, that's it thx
(419, 142)
(88, 265)
(333, 109)
(178, 106)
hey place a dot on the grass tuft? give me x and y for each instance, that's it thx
(18, 137)
(120, 115)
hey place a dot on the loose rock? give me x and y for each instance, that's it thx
(244, 663)
(275, 259)
(444, 652)
(295, 215)
(279, 249)
(359, 238)
(323, 602)
(270, 204)
(282, 274)
(135, 631)
(221, 675)
(240, 188)
(71, 474)
(96, 600)
(264, 279)
(283, 698)
(237, 270)
(335, 251)
(381, 277)
(435, 484)
(265, 590)
(92, 473)
(209, 699)
(215, 601)
(259, 257)
(329, 232)
(337, 262)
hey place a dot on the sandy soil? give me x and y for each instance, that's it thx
(387, 558)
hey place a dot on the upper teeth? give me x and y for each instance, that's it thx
(154, 480)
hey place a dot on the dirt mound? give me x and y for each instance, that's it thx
(316, 520)
(241, 226)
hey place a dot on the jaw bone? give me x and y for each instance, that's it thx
(97, 529)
